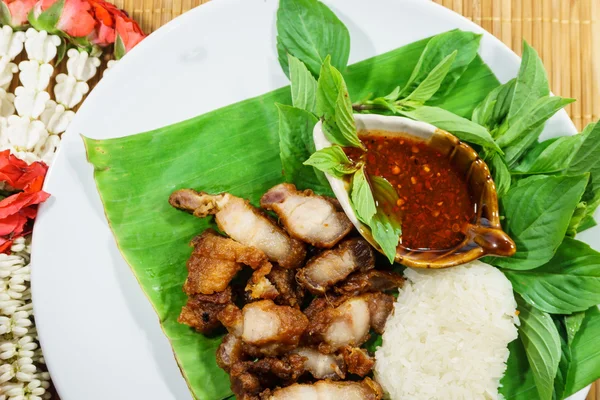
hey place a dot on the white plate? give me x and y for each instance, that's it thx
(100, 336)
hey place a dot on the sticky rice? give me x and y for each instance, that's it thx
(447, 337)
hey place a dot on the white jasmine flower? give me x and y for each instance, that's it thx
(21, 245)
(35, 75)
(41, 46)
(9, 264)
(47, 150)
(16, 324)
(9, 306)
(109, 65)
(68, 91)
(23, 347)
(56, 117)
(24, 134)
(11, 43)
(7, 100)
(29, 102)
(81, 66)
(7, 70)
(22, 369)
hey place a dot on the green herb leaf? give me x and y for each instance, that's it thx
(431, 84)
(539, 113)
(514, 152)
(585, 353)
(333, 161)
(538, 210)
(385, 225)
(517, 382)
(531, 84)
(303, 84)
(437, 49)
(573, 324)
(560, 381)
(493, 110)
(310, 31)
(542, 345)
(586, 223)
(462, 128)
(295, 146)
(362, 197)
(334, 105)
(5, 16)
(550, 156)
(568, 283)
(500, 173)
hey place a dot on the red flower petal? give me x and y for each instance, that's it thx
(75, 20)
(16, 202)
(17, 173)
(5, 245)
(11, 223)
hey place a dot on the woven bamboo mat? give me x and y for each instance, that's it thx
(564, 32)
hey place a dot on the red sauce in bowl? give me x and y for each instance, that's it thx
(435, 204)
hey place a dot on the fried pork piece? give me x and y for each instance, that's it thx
(201, 310)
(369, 281)
(264, 327)
(348, 323)
(216, 260)
(333, 266)
(249, 378)
(322, 366)
(327, 390)
(230, 352)
(243, 223)
(357, 360)
(313, 219)
(284, 280)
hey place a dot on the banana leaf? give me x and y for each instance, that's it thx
(233, 149)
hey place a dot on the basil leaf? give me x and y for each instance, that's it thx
(585, 353)
(537, 211)
(295, 146)
(334, 105)
(431, 84)
(385, 225)
(539, 113)
(303, 85)
(568, 283)
(531, 84)
(516, 150)
(587, 159)
(560, 381)
(332, 160)
(517, 382)
(362, 197)
(577, 218)
(493, 110)
(573, 324)
(550, 156)
(542, 346)
(500, 173)
(438, 48)
(462, 128)
(310, 31)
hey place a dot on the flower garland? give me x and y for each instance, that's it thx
(32, 120)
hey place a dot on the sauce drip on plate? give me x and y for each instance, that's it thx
(435, 204)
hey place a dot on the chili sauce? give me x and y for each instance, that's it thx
(434, 203)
